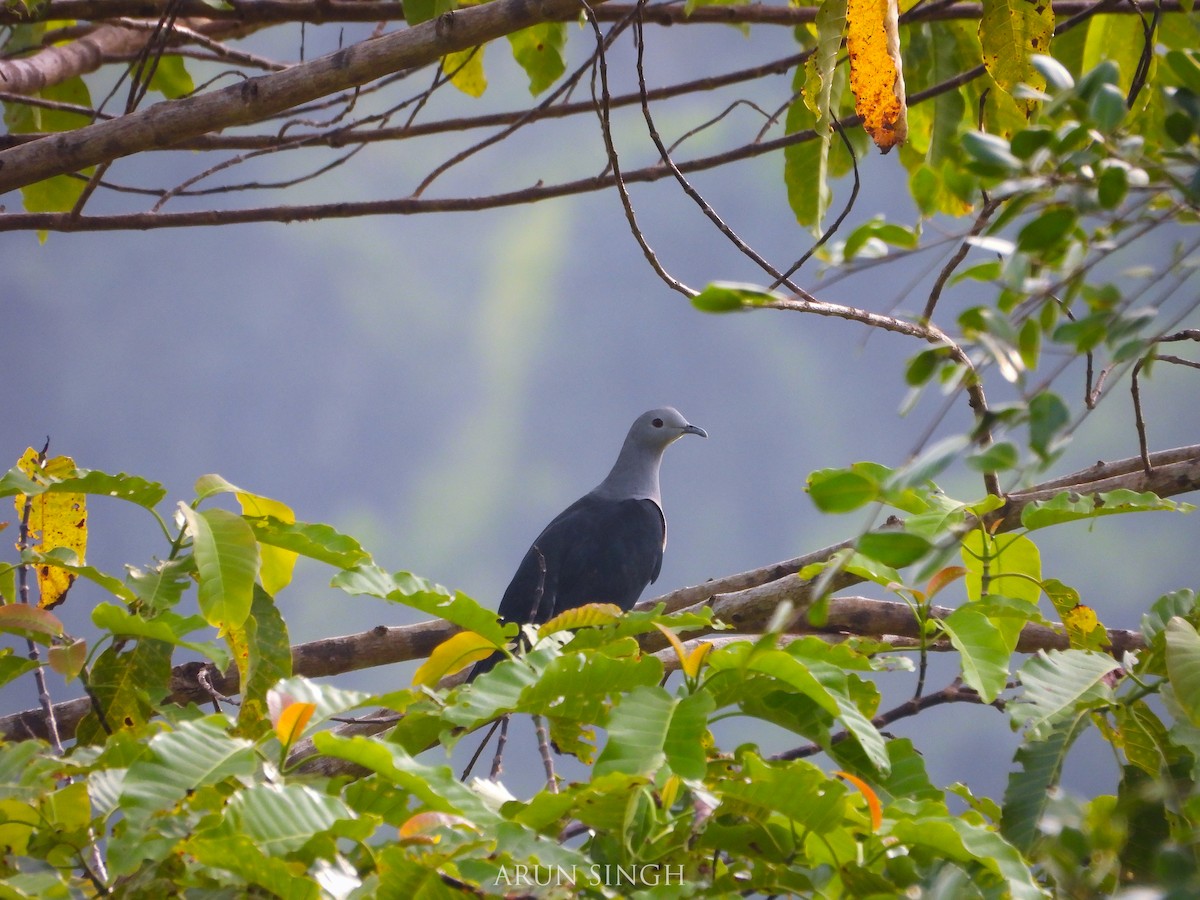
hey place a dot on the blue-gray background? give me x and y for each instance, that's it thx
(440, 386)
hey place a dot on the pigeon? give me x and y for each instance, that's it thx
(607, 545)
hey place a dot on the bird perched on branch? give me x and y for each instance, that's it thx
(607, 545)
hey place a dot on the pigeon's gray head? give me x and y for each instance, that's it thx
(660, 427)
(635, 473)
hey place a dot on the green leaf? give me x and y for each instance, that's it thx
(575, 695)
(312, 540)
(1048, 229)
(227, 562)
(66, 559)
(1010, 564)
(270, 651)
(161, 586)
(1071, 507)
(1048, 415)
(996, 458)
(88, 481)
(126, 686)
(429, 598)
(1183, 665)
(168, 627)
(841, 490)
(1012, 33)
(970, 844)
(984, 651)
(13, 667)
(171, 78)
(893, 548)
(195, 753)
(1113, 184)
(59, 193)
(990, 150)
(418, 11)
(538, 49)
(1144, 738)
(1030, 787)
(797, 790)
(649, 728)
(282, 818)
(806, 163)
(243, 858)
(730, 296)
(1056, 75)
(1058, 684)
(435, 788)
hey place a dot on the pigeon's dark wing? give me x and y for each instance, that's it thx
(595, 551)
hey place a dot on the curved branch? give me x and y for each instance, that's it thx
(171, 121)
(1175, 472)
(319, 12)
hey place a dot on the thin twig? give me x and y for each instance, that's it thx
(953, 693)
(981, 220)
(707, 209)
(601, 103)
(547, 756)
(498, 759)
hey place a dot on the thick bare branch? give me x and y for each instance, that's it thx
(171, 121)
(325, 11)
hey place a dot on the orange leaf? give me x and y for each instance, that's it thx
(292, 721)
(876, 77)
(942, 578)
(21, 618)
(416, 829)
(869, 795)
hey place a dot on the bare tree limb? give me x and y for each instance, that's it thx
(171, 121)
(319, 12)
(742, 599)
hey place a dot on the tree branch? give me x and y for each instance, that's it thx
(268, 12)
(745, 600)
(171, 121)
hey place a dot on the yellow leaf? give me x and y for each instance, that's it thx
(465, 71)
(275, 563)
(869, 795)
(689, 662)
(451, 655)
(55, 520)
(675, 642)
(695, 659)
(292, 720)
(1084, 629)
(581, 617)
(876, 76)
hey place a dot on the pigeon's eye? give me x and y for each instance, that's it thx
(657, 423)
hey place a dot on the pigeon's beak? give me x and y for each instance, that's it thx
(695, 429)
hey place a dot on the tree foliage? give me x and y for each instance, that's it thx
(1047, 147)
